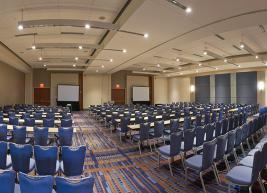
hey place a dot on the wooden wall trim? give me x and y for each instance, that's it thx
(81, 90)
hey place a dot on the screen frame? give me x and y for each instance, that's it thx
(69, 85)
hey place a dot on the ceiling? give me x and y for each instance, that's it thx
(175, 45)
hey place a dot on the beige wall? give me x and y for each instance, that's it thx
(135, 81)
(29, 88)
(161, 93)
(96, 89)
(179, 89)
(41, 75)
(12, 85)
(61, 78)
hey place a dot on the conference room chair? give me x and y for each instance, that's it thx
(188, 141)
(33, 184)
(209, 131)
(151, 118)
(158, 133)
(123, 127)
(236, 121)
(143, 136)
(7, 182)
(218, 128)
(231, 124)
(66, 123)
(139, 120)
(13, 121)
(5, 159)
(20, 135)
(41, 136)
(220, 118)
(247, 176)
(238, 141)
(26, 115)
(65, 136)
(68, 185)
(198, 121)
(187, 123)
(1, 119)
(29, 122)
(72, 163)
(21, 156)
(11, 114)
(172, 150)
(225, 126)
(38, 116)
(199, 138)
(50, 115)
(230, 148)
(202, 162)
(46, 162)
(207, 118)
(49, 122)
(173, 127)
(220, 152)
(66, 116)
(213, 117)
(4, 133)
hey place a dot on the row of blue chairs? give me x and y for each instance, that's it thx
(40, 136)
(37, 115)
(42, 159)
(43, 184)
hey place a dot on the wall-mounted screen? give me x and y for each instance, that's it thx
(140, 93)
(68, 93)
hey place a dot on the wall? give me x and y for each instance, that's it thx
(96, 89)
(223, 88)
(120, 78)
(161, 95)
(61, 78)
(41, 75)
(202, 89)
(179, 89)
(29, 88)
(135, 81)
(12, 85)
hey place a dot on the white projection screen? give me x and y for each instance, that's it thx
(140, 93)
(68, 93)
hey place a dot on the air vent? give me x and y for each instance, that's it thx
(72, 33)
(236, 47)
(29, 34)
(177, 49)
(198, 55)
(218, 36)
(262, 28)
(169, 68)
(158, 57)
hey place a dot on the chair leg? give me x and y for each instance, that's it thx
(235, 156)
(248, 144)
(202, 182)
(250, 189)
(159, 159)
(242, 149)
(217, 173)
(182, 160)
(253, 141)
(170, 166)
(261, 184)
(150, 145)
(226, 163)
(139, 143)
(120, 136)
(186, 174)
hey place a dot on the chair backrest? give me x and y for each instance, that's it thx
(175, 143)
(209, 130)
(66, 122)
(1, 119)
(174, 125)
(30, 122)
(65, 136)
(73, 160)
(50, 115)
(221, 145)
(244, 131)
(144, 131)
(158, 129)
(49, 122)
(139, 120)
(45, 159)
(231, 124)
(231, 141)
(33, 184)
(7, 181)
(214, 117)
(187, 123)
(207, 118)
(218, 128)
(238, 136)
(208, 154)
(125, 121)
(20, 156)
(220, 116)
(189, 135)
(3, 155)
(3, 132)
(198, 119)
(19, 133)
(82, 185)
(13, 121)
(257, 165)
(38, 116)
(200, 134)
(40, 136)
(235, 121)
(224, 126)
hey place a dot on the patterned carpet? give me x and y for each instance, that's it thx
(118, 167)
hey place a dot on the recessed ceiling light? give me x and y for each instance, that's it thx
(158, 65)
(146, 35)
(188, 10)
(238, 66)
(181, 73)
(177, 60)
(242, 46)
(199, 64)
(216, 68)
(257, 57)
(33, 47)
(20, 27)
(225, 60)
(180, 68)
(164, 71)
(196, 71)
(76, 58)
(124, 50)
(111, 60)
(87, 26)
(80, 47)
(74, 65)
(96, 70)
(144, 69)
(44, 65)
(40, 58)
(205, 53)
(168, 75)
(102, 66)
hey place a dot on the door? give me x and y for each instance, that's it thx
(42, 96)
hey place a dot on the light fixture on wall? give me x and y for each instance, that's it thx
(192, 88)
(260, 85)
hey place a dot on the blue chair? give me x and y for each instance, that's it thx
(158, 135)
(123, 127)
(199, 138)
(46, 162)
(209, 130)
(21, 157)
(65, 136)
(20, 135)
(230, 148)
(13, 121)
(26, 115)
(198, 121)
(41, 136)
(7, 181)
(66, 122)
(5, 159)
(72, 163)
(29, 122)
(143, 136)
(224, 126)
(38, 116)
(187, 123)
(33, 184)
(83, 185)
(1, 119)
(218, 128)
(50, 115)
(3, 133)
(49, 122)
(188, 142)
(202, 162)
(172, 150)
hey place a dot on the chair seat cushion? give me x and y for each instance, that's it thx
(247, 161)
(27, 140)
(8, 161)
(165, 150)
(252, 152)
(32, 164)
(194, 162)
(136, 137)
(240, 175)
(9, 137)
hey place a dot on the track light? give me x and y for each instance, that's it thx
(102, 66)
(199, 64)
(124, 50)
(80, 47)
(188, 10)
(242, 46)
(177, 60)
(87, 26)
(20, 27)
(33, 47)
(76, 58)
(40, 58)
(111, 60)
(257, 57)
(74, 65)
(44, 65)
(181, 73)
(146, 35)
(205, 53)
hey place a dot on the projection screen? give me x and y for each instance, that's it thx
(68, 93)
(140, 93)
